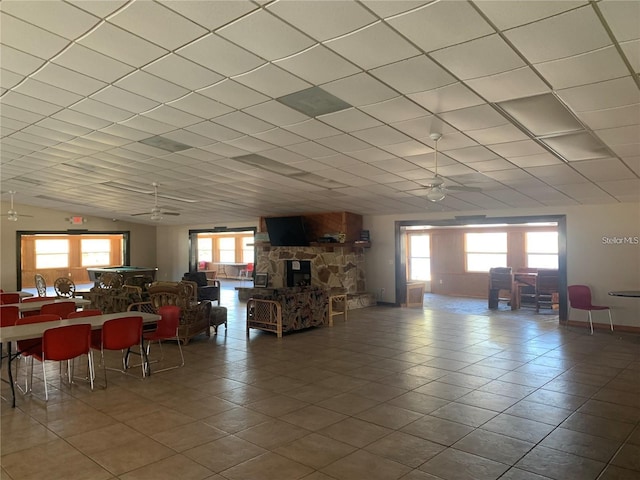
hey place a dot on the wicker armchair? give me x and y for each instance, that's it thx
(194, 315)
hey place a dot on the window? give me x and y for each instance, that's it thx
(95, 252)
(542, 249)
(205, 249)
(52, 253)
(419, 257)
(485, 250)
(247, 250)
(227, 250)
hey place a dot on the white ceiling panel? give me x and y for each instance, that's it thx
(555, 37)
(158, 24)
(208, 75)
(266, 35)
(441, 24)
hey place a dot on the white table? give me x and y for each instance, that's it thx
(22, 294)
(35, 306)
(36, 330)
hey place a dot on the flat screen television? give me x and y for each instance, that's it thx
(286, 231)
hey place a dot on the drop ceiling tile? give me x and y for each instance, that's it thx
(17, 61)
(101, 110)
(373, 46)
(441, 24)
(157, 24)
(124, 100)
(183, 72)
(29, 38)
(125, 132)
(126, 47)
(626, 150)
(9, 79)
(323, 20)
(350, 120)
(100, 8)
(395, 110)
(623, 190)
(343, 143)
(279, 137)
(106, 138)
(150, 86)
(633, 163)
(603, 170)
(517, 149)
(29, 104)
(318, 65)
(478, 58)
(311, 150)
(492, 165)
(209, 14)
(413, 75)
(272, 81)
(512, 14)
(200, 105)
(91, 63)
(34, 139)
(577, 146)
(234, 94)
(599, 96)
(499, 134)
(214, 131)
(68, 79)
(147, 124)
(620, 135)
(382, 135)
(172, 116)
(474, 118)
(444, 99)
(64, 127)
(276, 113)
(266, 35)
(18, 113)
(359, 90)
(244, 123)
(312, 129)
(518, 83)
(220, 55)
(632, 52)
(623, 18)
(560, 174)
(571, 33)
(409, 149)
(226, 150)
(542, 115)
(250, 144)
(612, 117)
(591, 67)
(472, 154)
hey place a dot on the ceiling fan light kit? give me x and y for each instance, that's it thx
(12, 214)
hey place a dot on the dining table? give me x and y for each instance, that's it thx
(36, 330)
(37, 305)
(22, 294)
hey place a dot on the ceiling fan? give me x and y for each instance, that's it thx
(12, 215)
(436, 187)
(156, 212)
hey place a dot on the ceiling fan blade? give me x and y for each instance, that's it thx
(139, 214)
(175, 214)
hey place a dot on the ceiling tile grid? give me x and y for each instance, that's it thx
(538, 104)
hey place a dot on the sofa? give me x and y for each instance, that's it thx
(194, 315)
(282, 310)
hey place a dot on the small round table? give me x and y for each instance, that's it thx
(625, 293)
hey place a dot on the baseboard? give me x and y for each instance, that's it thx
(603, 326)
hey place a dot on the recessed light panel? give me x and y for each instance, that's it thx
(577, 146)
(541, 115)
(314, 102)
(165, 144)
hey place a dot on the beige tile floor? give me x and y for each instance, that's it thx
(414, 394)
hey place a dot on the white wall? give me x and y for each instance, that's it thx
(589, 261)
(143, 237)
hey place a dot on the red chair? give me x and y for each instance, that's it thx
(6, 298)
(95, 334)
(580, 299)
(66, 343)
(30, 347)
(121, 334)
(166, 329)
(9, 315)
(61, 308)
(35, 299)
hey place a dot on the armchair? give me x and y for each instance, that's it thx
(207, 289)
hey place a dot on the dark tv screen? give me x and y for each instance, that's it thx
(286, 231)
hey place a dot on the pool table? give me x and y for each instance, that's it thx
(125, 270)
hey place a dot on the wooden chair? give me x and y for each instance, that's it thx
(546, 289)
(501, 280)
(41, 285)
(64, 287)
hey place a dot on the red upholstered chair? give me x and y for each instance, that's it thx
(95, 334)
(8, 315)
(35, 299)
(6, 298)
(166, 329)
(61, 308)
(30, 347)
(121, 334)
(66, 343)
(580, 299)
